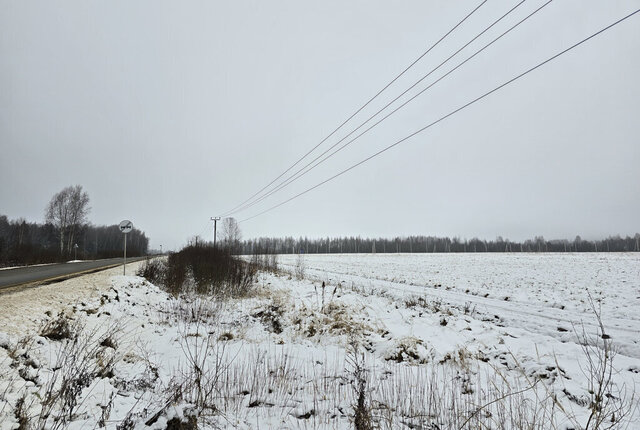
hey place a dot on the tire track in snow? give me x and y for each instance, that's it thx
(544, 320)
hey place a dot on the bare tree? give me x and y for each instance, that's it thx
(56, 214)
(79, 209)
(230, 234)
(66, 211)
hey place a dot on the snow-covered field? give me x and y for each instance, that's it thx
(403, 341)
(535, 292)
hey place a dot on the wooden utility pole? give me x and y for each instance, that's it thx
(215, 225)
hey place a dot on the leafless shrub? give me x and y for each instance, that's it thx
(154, 270)
(198, 379)
(300, 267)
(205, 270)
(81, 358)
(362, 419)
(80, 361)
(609, 404)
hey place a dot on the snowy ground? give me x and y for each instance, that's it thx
(535, 292)
(446, 341)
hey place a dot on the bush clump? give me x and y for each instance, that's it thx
(204, 270)
(153, 271)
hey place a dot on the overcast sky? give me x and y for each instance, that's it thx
(168, 113)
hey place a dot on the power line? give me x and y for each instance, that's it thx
(447, 115)
(298, 173)
(360, 108)
(206, 227)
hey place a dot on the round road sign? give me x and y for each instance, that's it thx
(126, 226)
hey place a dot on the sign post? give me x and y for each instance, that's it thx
(125, 226)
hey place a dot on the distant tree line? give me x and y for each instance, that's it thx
(431, 244)
(66, 234)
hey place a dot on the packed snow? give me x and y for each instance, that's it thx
(424, 340)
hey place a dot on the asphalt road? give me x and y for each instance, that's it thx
(53, 272)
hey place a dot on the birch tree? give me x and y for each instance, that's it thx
(230, 233)
(67, 210)
(78, 210)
